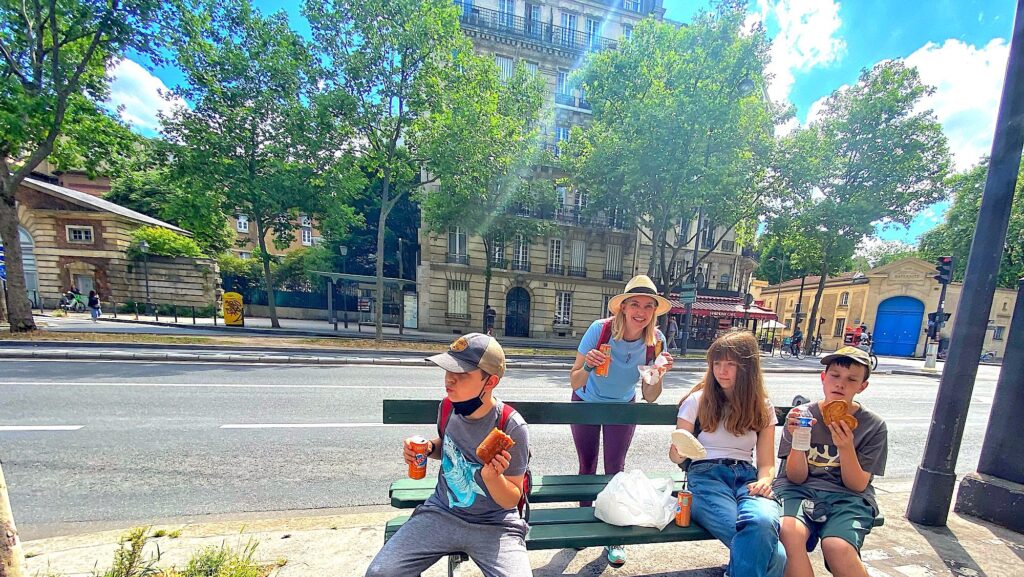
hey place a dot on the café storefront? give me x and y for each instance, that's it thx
(714, 315)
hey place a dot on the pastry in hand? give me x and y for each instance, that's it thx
(687, 445)
(838, 410)
(495, 442)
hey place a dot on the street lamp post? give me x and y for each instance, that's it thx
(144, 248)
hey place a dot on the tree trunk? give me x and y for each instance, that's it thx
(19, 311)
(385, 208)
(12, 559)
(488, 247)
(812, 319)
(267, 279)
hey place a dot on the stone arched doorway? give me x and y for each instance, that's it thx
(28, 262)
(898, 326)
(517, 313)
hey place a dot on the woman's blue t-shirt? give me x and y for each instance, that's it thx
(620, 384)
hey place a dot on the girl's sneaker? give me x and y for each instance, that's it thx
(616, 555)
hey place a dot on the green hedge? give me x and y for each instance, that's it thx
(163, 242)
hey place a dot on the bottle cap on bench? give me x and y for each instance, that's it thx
(471, 352)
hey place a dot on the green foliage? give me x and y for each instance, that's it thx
(675, 131)
(53, 76)
(129, 559)
(147, 185)
(881, 253)
(954, 236)
(224, 561)
(295, 271)
(394, 60)
(163, 242)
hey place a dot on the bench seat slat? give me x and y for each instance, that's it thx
(538, 480)
(410, 498)
(424, 412)
(561, 515)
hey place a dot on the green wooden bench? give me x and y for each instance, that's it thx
(556, 528)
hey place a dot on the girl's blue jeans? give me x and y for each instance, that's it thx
(747, 525)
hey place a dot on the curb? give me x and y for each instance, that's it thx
(83, 355)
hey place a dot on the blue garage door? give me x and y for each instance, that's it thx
(898, 326)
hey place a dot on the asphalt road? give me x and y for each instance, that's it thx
(139, 442)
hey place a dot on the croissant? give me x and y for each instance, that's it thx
(495, 442)
(838, 411)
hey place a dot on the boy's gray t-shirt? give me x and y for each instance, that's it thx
(460, 489)
(870, 440)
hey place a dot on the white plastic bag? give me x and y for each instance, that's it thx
(634, 499)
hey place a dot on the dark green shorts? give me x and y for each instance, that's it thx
(831, 514)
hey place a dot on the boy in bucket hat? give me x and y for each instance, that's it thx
(826, 491)
(474, 506)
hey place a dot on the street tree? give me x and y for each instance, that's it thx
(872, 253)
(681, 132)
(953, 237)
(483, 138)
(256, 135)
(54, 58)
(395, 58)
(873, 155)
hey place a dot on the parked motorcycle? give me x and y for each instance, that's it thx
(73, 302)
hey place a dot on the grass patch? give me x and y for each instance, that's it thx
(226, 561)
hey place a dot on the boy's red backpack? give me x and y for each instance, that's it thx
(507, 411)
(606, 335)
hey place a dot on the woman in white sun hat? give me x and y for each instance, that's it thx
(635, 341)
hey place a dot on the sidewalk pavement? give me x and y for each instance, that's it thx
(314, 545)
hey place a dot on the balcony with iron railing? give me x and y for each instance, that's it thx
(577, 271)
(555, 269)
(499, 263)
(572, 215)
(457, 258)
(727, 246)
(612, 275)
(521, 265)
(566, 99)
(485, 19)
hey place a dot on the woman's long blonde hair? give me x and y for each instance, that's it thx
(748, 408)
(619, 324)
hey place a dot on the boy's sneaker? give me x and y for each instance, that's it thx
(616, 555)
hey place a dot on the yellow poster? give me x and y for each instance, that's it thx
(234, 312)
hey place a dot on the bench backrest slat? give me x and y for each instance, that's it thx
(419, 411)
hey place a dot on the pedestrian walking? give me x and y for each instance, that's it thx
(94, 306)
(605, 371)
(489, 315)
(672, 331)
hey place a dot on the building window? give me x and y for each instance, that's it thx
(844, 300)
(997, 333)
(304, 220)
(457, 252)
(578, 259)
(631, 5)
(840, 325)
(307, 236)
(531, 67)
(563, 308)
(613, 262)
(593, 30)
(569, 22)
(458, 299)
(555, 256)
(561, 135)
(79, 234)
(561, 82)
(521, 253)
(627, 31)
(242, 224)
(1004, 306)
(790, 305)
(498, 252)
(244, 255)
(506, 12)
(788, 322)
(506, 67)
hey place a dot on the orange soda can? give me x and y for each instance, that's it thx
(602, 369)
(419, 446)
(683, 502)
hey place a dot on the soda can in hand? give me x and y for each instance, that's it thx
(419, 446)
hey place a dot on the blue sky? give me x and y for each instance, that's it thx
(959, 46)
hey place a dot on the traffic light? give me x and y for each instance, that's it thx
(944, 266)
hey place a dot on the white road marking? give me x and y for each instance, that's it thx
(30, 428)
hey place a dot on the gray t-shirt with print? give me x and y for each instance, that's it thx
(824, 472)
(460, 489)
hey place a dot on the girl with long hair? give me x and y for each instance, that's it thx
(730, 414)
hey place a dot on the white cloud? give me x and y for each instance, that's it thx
(968, 82)
(806, 39)
(139, 96)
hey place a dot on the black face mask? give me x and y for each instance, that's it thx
(466, 408)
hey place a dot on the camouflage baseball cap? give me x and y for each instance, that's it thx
(853, 353)
(471, 352)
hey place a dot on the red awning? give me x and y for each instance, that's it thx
(723, 308)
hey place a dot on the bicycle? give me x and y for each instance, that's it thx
(816, 347)
(790, 349)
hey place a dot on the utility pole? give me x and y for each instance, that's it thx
(401, 288)
(12, 558)
(936, 476)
